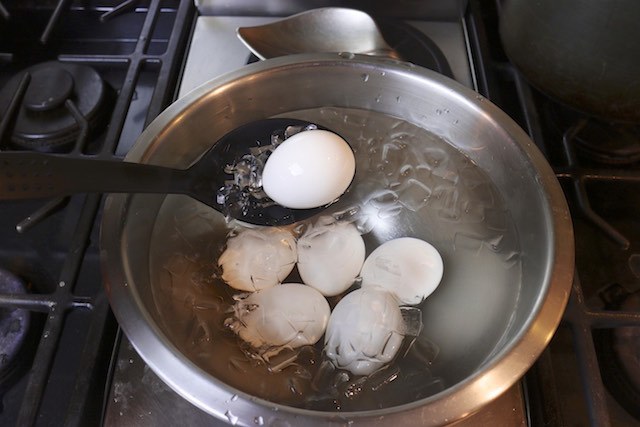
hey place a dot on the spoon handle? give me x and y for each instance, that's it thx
(36, 175)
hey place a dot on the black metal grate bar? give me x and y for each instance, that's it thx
(4, 13)
(53, 20)
(82, 122)
(171, 64)
(13, 106)
(43, 303)
(41, 214)
(123, 7)
(167, 62)
(61, 299)
(592, 385)
(92, 357)
(579, 176)
(531, 116)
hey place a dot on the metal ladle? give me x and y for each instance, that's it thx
(28, 175)
(323, 30)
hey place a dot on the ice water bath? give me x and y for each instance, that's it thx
(409, 183)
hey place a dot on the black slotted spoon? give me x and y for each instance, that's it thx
(27, 175)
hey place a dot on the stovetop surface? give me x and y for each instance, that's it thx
(70, 368)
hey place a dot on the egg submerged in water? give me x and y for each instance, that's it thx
(256, 259)
(409, 268)
(290, 314)
(365, 331)
(330, 257)
(309, 169)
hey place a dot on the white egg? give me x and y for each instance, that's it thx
(330, 257)
(409, 268)
(258, 258)
(309, 169)
(365, 331)
(288, 315)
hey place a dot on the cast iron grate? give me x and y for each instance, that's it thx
(61, 300)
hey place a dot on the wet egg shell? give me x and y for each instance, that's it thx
(290, 314)
(258, 258)
(365, 331)
(330, 257)
(309, 169)
(409, 268)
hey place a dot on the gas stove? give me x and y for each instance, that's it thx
(116, 66)
(78, 80)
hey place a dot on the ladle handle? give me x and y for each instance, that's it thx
(36, 175)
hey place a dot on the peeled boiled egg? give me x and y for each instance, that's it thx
(258, 258)
(330, 257)
(409, 268)
(309, 169)
(290, 315)
(365, 331)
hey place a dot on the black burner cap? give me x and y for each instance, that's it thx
(48, 88)
(43, 122)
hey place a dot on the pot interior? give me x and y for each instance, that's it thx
(432, 163)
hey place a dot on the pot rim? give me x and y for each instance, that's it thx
(464, 398)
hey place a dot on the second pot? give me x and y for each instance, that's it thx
(583, 53)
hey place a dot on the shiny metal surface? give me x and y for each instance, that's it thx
(218, 33)
(324, 30)
(472, 124)
(140, 398)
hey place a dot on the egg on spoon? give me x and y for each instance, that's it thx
(309, 169)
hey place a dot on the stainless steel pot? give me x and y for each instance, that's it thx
(469, 309)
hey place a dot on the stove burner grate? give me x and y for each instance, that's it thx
(609, 143)
(72, 333)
